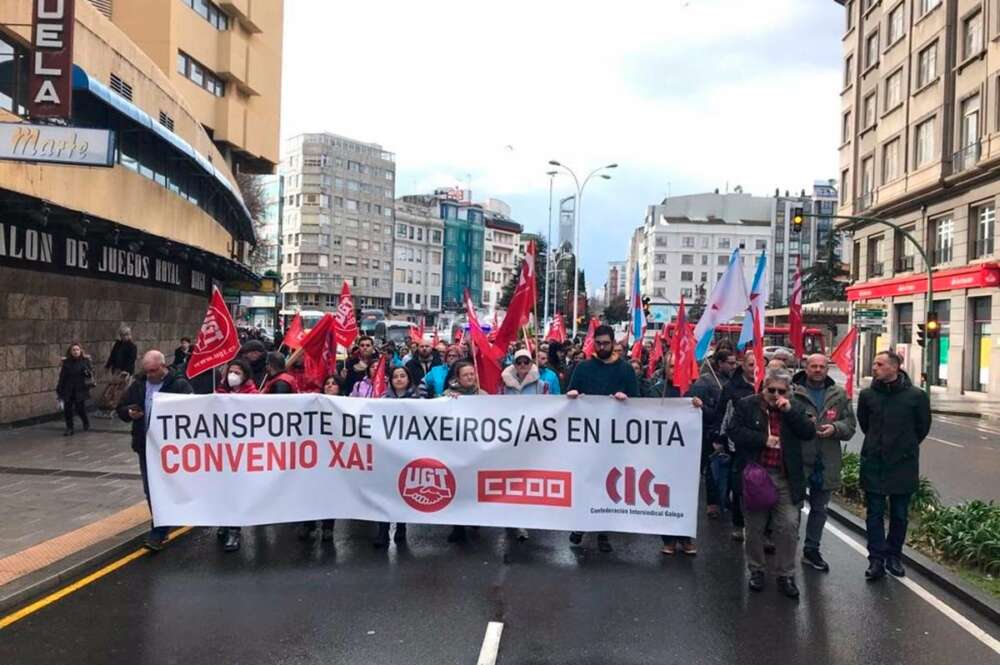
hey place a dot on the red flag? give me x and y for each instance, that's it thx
(295, 333)
(588, 341)
(843, 356)
(760, 366)
(557, 329)
(380, 382)
(459, 335)
(795, 332)
(496, 321)
(656, 354)
(320, 350)
(417, 333)
(485, 356)
(217, 341)
(347, 325)
(521, 303)
(685, 365)
(636, 352)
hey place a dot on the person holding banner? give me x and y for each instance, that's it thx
(238, 380)
(422, 361)
(356, 367)
(547, 373)
(607, 373)
(464, 383)
(768, 430)
(401, 386)
(136, 407)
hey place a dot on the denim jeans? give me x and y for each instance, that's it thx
(818, 501)
(899, 505)
(158, 531)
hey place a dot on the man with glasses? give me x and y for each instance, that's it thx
(606, 373)
(895, 417)
(708, 388)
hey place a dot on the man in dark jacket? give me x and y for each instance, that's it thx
(422, 361)
(604, 374)
(356, 366)
(255, 353)
(739, 386)
(895, 417)
(831, 411)
(768, 429)
(279, 381)
(136, 407)
(708, 388)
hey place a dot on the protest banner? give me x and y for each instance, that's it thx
(589, 464)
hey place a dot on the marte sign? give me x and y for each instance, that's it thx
(50, 88)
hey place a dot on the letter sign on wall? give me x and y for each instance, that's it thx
(50, 72)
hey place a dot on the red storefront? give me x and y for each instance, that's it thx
(966, 277)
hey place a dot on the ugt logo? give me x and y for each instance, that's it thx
(650, 493)
(426, 485)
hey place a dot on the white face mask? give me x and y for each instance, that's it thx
(234, 380)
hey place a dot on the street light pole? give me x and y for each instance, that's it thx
(548, 254)
(576, 234)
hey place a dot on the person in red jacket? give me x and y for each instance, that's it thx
(279, 380)
(237, 380)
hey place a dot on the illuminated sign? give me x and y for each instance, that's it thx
(50, 91)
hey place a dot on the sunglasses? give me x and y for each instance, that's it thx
(522, 361)
(778, 391)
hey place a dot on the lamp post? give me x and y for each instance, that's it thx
(576, 234)
(555, 288)
(548, 253)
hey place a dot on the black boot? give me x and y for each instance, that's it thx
(306, 531)
(457, 535)
(895, 566)
(232, 539)
(68, 432)
(786, 585)
(400, 536)
(382, 537)
(876, 570)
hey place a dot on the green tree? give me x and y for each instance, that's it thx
(826, 279)
(617, 310)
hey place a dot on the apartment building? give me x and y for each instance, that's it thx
(501, 256)
(337, 221)
(920, 132)
(417, 260)
(615, 285)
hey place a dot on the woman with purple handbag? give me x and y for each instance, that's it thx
(768, 430)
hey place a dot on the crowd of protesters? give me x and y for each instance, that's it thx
(770, 442)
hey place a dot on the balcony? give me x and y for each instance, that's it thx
(966, 158)
(864, 202)
(942, 255)
(982, 248)
(904, 264)
(876, 269)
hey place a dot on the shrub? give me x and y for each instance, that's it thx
(850, 476)
(968, 533)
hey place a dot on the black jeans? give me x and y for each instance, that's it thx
(899, 505)
(159, 531)
(81, 410)
(736, 494)
(711, 486)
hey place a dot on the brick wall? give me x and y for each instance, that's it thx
(41, 314)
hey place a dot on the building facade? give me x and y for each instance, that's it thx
(501, 256)
(418, 259)
(464, 232)
(134, 231)
(616, 285)
(920, 133)
(337, 222)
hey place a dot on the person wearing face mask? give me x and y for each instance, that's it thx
(401, 386)
(768, 430)
(136, 407)
(436, 380)
(605, 374)
(238, 378)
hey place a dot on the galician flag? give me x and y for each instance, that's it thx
(729, 298)
(758, 300)
(635, 303)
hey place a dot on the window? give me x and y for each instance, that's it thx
(867, 180)
(848, 70)
(199, 75)
(399, 299)
(890, 161)
(166, 121)
(724, 243)
(704, 277)
(972, 35)
(871, 50)
(924, 149)
(979, 370)
(970, 122)
(927, 5)
(722, 260)
(687, 241)
(845, 128)
(210, 13)
(849, 7)
(687, 276)
(704, 259)
(896, 24)
(401, 230)
(927, 65)
(706, 242)
(687, 259)
(903, 252)
(660, 259)
(943, 237)
(983, 220)
(904, 323)
(894, 90)
(687, 292)
(14, 81)
(876, 267)
(868, 110)
(845, 180)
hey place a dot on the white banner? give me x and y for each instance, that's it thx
(590, 464)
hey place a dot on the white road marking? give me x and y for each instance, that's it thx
(947, 443)
(979, 427)
(491, 644)
(935, 602)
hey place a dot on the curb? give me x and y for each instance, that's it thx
(35, 584)
(979, 600)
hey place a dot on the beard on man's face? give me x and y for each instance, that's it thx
(604, 354)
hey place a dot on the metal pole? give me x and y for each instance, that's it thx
(548, 255)
(576, 258)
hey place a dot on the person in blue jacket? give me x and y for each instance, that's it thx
(547, 374)
(436, 380)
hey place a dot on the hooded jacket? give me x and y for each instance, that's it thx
(895, 417)
(836, 410)
(531, 385)
(73, 377)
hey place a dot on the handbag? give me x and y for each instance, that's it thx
(88, 377)
(759, 492)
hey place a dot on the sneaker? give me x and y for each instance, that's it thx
(739, 535)
(815, 559)
(604, 545)
(895, 566)
(757, 580)
(669, 549)
(155, 541)
(575, 537)
(689, 548)
(786, 585)
(876, 570)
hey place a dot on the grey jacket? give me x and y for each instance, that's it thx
(836, 411)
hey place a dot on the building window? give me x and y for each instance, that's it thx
(981, 318)
(968, 153)
(867, 181)
(848, 70)
(399, 299)
(845, 128)
(687, 276)
(902, 252)
(200, 75)
(760, 243)
(939, 348)
(943, 236)
(904, 323)
(660, 259)
(871, 50)
(845, 180)
(166, 121)
(868, 110)
(972, 35)
(890, 160)
(687, 259)
(876, 266)
(896, 24)
(924, 150)
(927, 65)
(686, 292)
(724, 243)
(927, 5)
(687, 241)
(721, 260)
(894, 90)
(704, 259)
(849, 7)
(14, 80)
(983, 220)
(210, 13)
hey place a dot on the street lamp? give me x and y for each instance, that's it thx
(548, 251)
(577, 222)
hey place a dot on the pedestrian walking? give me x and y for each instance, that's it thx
(830, 409)
(76, 378)
(895, 417)
(402, 385)
(121, 366)
(768, 430)
(238, 380)
(739, 386)
(136, 407)
(181, 355)
(708, 388)
(606, 373)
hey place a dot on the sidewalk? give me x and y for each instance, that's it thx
(66, 502)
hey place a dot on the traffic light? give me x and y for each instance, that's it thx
(933, 327)
(921, 334)
(798, 218)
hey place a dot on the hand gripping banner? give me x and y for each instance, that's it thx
(590, 464)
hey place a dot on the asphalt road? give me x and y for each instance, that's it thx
(282, 601)
(961, 457)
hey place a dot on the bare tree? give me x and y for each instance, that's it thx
(252, 190)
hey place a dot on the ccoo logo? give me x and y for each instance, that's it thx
(650, 493)
(426, 485)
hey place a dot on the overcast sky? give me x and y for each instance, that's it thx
(684, 95)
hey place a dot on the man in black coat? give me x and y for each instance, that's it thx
(422, 361)
(895, 417)
(708, 388)
(740, 386)
(136, 407)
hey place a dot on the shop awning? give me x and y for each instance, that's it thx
(966, 277)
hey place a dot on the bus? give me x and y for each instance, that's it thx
(813, 340)
(393, 331)
(369, 319)
(310, 317)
